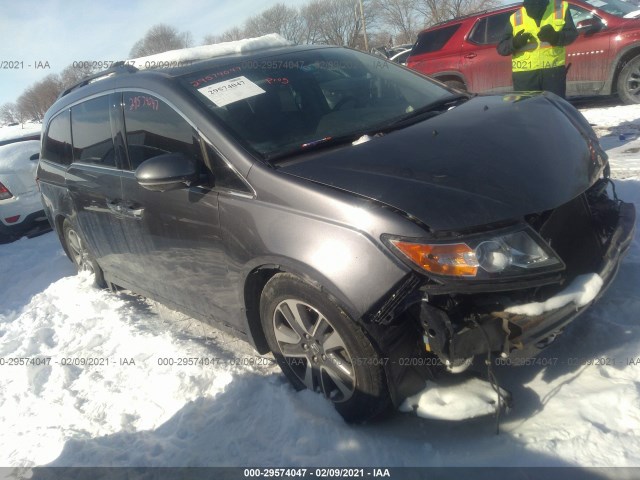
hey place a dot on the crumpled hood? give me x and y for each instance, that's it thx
(488, 160)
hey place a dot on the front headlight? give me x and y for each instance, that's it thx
(487, 256)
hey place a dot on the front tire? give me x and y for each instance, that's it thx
(320, 348)
(629, 82)
(80, 255)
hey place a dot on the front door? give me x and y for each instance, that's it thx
(176, 233)
(484, 69)
(588, 58)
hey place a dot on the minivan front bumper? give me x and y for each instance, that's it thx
(519, 335)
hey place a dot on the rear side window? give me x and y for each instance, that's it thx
(489, 30)
(57, 142)
(434, 40)
(154, 128)
(92, 139)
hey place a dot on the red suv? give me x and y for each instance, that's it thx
(604, 60)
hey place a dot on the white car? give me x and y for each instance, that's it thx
(21, 210)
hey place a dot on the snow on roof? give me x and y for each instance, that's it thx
(183, 56)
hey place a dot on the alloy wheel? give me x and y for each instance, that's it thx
(78, 251)
(314, 350)
(632, 82)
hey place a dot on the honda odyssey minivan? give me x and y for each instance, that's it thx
(350, 216)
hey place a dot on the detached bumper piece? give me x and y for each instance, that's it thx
(602, 231)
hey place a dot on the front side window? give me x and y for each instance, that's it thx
(57, 142)
(489, 30)
(580, 14)
(154, 128)
(223, 175)
(91, 127)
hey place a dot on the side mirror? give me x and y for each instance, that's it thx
(590, 25)
(169, 171)
(35, 156)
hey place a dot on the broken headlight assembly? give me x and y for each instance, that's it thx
(494, 255)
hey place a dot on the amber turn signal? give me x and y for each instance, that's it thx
(455, 259)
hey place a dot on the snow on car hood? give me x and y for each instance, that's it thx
(488, 160)
(14, 158)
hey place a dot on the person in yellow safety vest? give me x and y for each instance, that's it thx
(535, 38)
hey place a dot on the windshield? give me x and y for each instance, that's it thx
(288, 101)
(614, 7)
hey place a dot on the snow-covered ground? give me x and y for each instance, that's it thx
(141, 402)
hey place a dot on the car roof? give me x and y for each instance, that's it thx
(106, 80)
(498, 9)
(472, 15)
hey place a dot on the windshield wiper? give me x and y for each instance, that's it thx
(433, 107)
(314, 145)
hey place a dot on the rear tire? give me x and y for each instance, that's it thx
(80, 255)
(320, 348)
(629, 82)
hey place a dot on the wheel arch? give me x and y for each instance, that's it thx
(445, 77)
(623, 57)
(59, 228)
(256, 280)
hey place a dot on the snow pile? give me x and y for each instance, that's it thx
(185, 55)
(14, 157)
(456, 401)
(582, 290)
(94, 370)
(618, 129)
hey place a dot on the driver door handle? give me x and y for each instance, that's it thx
(134, 210)
(115, 206)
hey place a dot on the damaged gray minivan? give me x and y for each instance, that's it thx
(358, 220)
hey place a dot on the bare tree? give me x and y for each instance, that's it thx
(401, 16)
(234, 33)
(286, 21)
(36, 100)
(72, 75)
(435, 11)
(310, 14)
(160, 38)
(380, 38)
(334, 22)
(9, 113)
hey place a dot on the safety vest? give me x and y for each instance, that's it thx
(537, 55)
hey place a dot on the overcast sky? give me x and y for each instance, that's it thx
(63, 31)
